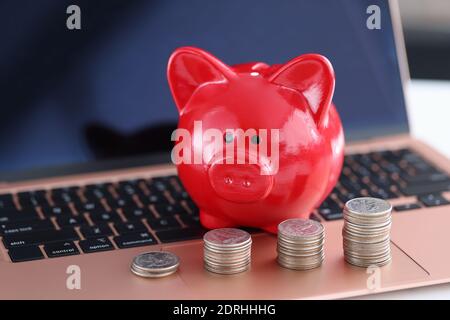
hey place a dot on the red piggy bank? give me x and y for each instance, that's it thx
(255, 144)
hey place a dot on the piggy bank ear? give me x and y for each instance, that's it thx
(189, 68)
(313, 76)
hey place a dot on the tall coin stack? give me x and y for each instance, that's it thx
(366, 232)
(300, 244)
(227, 250)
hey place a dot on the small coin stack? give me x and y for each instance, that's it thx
(227, 250)
(155, 264)
(300, 244)
(366, 232)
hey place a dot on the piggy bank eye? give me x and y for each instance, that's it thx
(255, 139)
(228, 137)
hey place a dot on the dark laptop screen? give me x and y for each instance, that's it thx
(73, 96)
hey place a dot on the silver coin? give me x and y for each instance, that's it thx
(368, 206)
(217, 257)
(145, 274)
(300, 228)
(156, 261)
(366, 232)
(227, 251)
(363, 264)
(227, 237)
(302, 254)
(300, 244)
(295, 265)
(227, 271)
(220, 264)
(301, 261)
(305, 243)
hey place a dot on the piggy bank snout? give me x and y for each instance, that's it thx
(239, 182)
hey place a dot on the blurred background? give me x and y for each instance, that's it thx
(426, 25)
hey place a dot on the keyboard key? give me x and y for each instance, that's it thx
(179, 195)
(53, 211)
(364, 160)
(65, 190)
(98, 186)
(158, 184)
(66, 221)
(13, 215)
(33, 198)
(42, 236)
(347, 197)
(426, 178)
(180, 234)
(96, 245)
(383, 194)
(391, 167)
(432, 200)
(121, 203)
(191, 220)
(153, 199)
(329, 202)
(424, 167)
(425, 188)
(352, 186)
(129, 227)
(173, 177)
(60, 249)
(419, 164)
(95, 192)
(361, 171)
(170, 210)
(6, 201)
(333, 215)
(25, 226)
(132, 182)
(125, 188)
(104, 216)
(330, 210)
(406, 207)
(192, 206)
(137, 213)
(96, 231)
(26, 253)
(164, 223)
(176, 189)
(89, 206)
(135, 240)
(382, 181)
(64, 197)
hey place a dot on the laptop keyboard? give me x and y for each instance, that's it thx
(387, 175)
(110, 216)
(98, 217)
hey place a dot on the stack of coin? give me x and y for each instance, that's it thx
(366, 232)
(300, 244)
(155, 264)
(227, 250)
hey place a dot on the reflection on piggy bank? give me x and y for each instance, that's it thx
(255, 144)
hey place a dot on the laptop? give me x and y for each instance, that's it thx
(86, 181)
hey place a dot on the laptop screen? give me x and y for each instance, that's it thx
(100, 92)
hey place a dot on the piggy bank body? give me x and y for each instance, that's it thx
(255, 144)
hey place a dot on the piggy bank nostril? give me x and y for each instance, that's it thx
(246, 183)
(228, 180)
